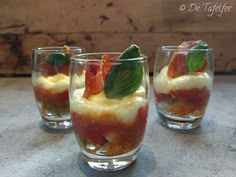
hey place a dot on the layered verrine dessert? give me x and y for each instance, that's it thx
(110, 113)
(50, 77)
(182, 85)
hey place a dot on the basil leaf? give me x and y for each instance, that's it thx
(131, 52)
(126, 77)
(195, 59)
(58, 59)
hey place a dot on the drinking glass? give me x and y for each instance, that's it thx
(50, 78)
(182, 92)
(109, 113)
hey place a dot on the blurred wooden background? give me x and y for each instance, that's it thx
(112, 25)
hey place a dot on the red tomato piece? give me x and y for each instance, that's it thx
(96, 75)
(177, 66)
(93, 80)
(106, 65)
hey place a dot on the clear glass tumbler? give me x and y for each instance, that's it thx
(109, 113)
(182, 84)
(50, 78)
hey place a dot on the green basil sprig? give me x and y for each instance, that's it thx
(126, 77)
(58, 58)
(195, 59)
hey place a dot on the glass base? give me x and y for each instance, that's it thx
(179, 123)
(110, 163)
(58, 125)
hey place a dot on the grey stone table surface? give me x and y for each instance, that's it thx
(29, 149)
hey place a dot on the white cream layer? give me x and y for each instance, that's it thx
(164, 84)
(60, 82)
(124, 109)
(56, 83)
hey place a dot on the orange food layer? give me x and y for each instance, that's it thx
(185, 101)
(45, 96)
(110, 134)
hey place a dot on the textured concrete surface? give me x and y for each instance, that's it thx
(28, 149)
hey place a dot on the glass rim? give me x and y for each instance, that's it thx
(78, 57)
(175, 48)
(56, 48)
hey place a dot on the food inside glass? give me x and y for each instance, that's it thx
(183, 78)
(109, 113)
(50, 77)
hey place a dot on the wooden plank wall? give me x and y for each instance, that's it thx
(112, 25)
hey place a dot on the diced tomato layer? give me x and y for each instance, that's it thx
(108, 132)
(162, 96)
(185, 101)
(197, 97)
(45, 96)
(48, 69)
